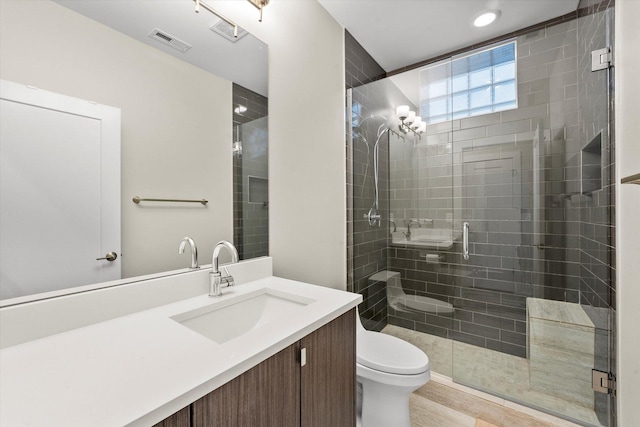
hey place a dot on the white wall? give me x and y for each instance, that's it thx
(627, 128)
(307, 168)
(176, 124)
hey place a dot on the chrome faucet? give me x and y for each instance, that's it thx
(216, 279)
(408, 233)
(194, 251)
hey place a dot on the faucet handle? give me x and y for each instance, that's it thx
(227, 278)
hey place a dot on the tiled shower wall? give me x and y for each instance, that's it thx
(597, 227)
(250, 220)
(487, 164)
(597, 211)
(366, 245)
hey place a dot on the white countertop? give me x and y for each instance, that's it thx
(140, 368)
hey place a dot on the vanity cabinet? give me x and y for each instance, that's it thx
(328, 380)
(266, 395)
(315, 390)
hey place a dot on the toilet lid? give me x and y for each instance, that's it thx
(387, 353)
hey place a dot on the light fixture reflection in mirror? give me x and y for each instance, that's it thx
(259, 4)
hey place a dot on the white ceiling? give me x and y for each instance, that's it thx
(397, 33)
(243, 62)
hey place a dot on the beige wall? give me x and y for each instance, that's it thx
(176, 124)
(307, 199)
(627, 67)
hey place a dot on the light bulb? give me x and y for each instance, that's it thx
(423, 127)
(410, 118)
(240, 109)
(416, 122)
(402, 111)
(485, 18)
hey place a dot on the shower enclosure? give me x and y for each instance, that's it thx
(516, 170)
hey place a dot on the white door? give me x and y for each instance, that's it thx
(59, 191)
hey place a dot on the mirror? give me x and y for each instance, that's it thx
(193, 114)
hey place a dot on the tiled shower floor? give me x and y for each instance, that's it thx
(489, 370)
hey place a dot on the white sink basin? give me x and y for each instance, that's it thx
(231, 318)
(430, 238)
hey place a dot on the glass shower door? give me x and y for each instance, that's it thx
(533, 312)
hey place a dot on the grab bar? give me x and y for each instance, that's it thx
(138, 199)
(465, 240)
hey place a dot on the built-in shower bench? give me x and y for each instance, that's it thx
(561, 350)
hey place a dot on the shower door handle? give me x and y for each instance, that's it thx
(465, 240)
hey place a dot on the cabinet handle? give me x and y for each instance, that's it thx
(303, 356)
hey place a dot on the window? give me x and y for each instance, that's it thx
(479, 83)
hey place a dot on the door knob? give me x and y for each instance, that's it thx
(110, 256)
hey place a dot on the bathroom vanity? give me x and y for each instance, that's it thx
(269, 351)
(282, 392)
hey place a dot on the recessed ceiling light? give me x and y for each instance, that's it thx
(486, 17)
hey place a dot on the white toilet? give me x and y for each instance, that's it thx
(388, 370)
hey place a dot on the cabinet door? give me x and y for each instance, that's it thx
(328, 379)
(266, 395)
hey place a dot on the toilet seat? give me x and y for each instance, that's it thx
(389, 354)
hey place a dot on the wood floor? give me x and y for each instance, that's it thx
(439, 405)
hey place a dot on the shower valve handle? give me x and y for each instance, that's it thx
(373, 218)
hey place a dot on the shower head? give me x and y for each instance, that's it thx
(370, 118)
(361, 130)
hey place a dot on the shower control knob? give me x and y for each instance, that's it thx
(371, 217)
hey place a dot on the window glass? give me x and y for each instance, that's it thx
(479, 83)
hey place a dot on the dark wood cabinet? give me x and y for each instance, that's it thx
(266, 395)
(283, 392)
(328, 380)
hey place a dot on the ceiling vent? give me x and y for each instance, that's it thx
(226, 30)
(169, 40)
